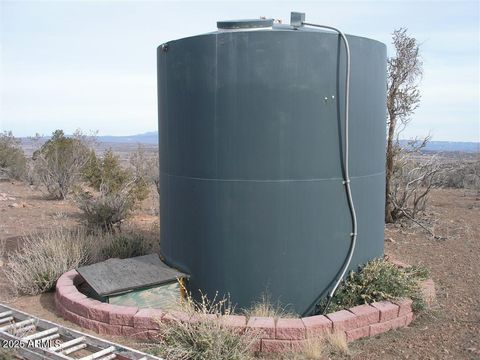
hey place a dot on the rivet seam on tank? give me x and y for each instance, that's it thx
(326, 98)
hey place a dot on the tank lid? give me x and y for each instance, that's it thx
(245, 24)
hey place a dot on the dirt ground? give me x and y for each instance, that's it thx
(451, 330)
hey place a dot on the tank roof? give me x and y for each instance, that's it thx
(245, 24)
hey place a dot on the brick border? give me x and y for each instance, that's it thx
(276, 334)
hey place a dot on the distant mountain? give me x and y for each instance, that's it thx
(145, 138)
(436, 146)
(151, 138)
(449, 146)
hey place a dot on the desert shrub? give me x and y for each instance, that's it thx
(206, 338)
(106, 209)
(460, 173)
(265, 307)
(60, 161)
(106, 171)
(13, 162)
(91, 170)
(379, 280)
(146, 166)
(118, 192)
(125, 245)
(130, 243)
(31, 177)
(35, 267)
(42, 258)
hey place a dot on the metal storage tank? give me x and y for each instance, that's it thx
(252, 198)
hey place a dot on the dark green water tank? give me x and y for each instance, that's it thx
(251, 130)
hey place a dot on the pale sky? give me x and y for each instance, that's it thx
(92, 64)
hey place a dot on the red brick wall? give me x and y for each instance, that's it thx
(276, 335)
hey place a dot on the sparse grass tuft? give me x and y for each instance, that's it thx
(206, 338)
(314, 349)
(317, 349)
(264, 307)
(379, 280)
(418, 272)
(338, 343)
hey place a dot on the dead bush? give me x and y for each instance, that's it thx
(13, 162)
(412, 179)
(59, 162)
